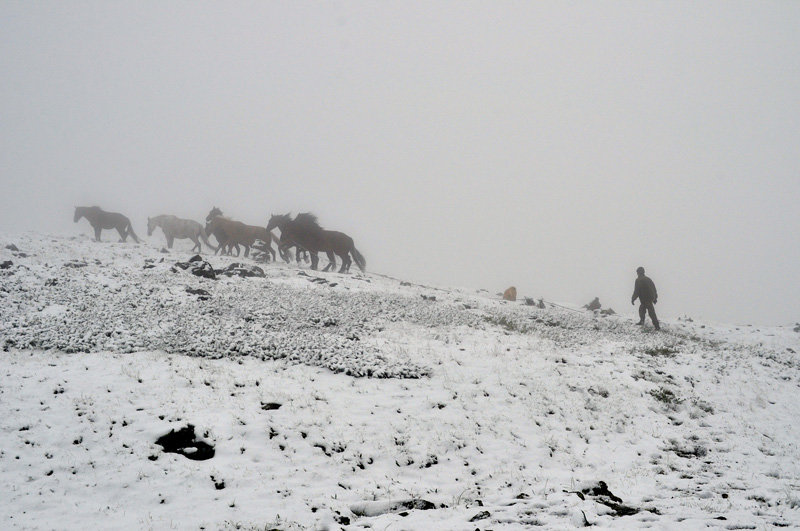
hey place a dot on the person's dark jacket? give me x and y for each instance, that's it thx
(645, 290)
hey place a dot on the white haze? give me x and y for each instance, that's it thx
(552, 146)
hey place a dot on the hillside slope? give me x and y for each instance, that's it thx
(360, 401)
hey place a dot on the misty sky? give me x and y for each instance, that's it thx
(551, 146)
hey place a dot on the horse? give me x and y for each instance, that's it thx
(219, 234)
(306, 232)
(174, 227)
(235, 232)
(99, 219)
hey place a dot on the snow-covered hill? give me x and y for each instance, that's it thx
(361, 401)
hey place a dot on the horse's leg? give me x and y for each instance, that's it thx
(345, 262)
(331, 261)
(97, 231)
(123, 235)
(196, 244)
(246, 250)
(170, 241)
(314, 260)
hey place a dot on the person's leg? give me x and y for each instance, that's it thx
(642, 311)
(652, 312)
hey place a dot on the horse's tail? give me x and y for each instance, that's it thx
(131, 233)
(359, 258)
(204, 237)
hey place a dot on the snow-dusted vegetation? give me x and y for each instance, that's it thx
(320, 400)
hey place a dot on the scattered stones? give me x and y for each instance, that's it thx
(6, 264)
(510, 294)
(12, 247)
(186, 443)
(428, 297)
(75, 264)
(608, 311)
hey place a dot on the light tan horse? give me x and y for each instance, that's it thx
(99, 219)
(175, 227)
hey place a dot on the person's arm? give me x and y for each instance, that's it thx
(635, 291)
(655, 292)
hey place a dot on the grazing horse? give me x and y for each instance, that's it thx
(237, 233)
(99, 219)
(174, 227)
(305, 231)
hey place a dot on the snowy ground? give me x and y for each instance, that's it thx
(360, 401)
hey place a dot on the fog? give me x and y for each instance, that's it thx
(550, 146)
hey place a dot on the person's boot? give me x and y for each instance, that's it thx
(656, 326)
(640, 322)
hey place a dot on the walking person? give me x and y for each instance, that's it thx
(645, 290)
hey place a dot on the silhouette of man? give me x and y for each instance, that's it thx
(645, 290)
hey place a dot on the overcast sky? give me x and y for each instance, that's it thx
(550, 146)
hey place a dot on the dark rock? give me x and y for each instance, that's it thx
(164, 250)
(267, 406)
(12, 247)
(200, 269)
(601, 494)
(75, 264)
(203, 293)
(196, 258)
(480, 516)
(185, 442)
(242, 270)
(6, 264)
(422, 505)
(341, 520)
(594, 305)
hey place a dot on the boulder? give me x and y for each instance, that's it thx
(594, 305)
(510, 294)
(242, 270)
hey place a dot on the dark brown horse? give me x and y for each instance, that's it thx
(237, 233)
(99, 219)
(305, 231)
(219, 234)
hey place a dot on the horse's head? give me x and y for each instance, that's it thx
(277, 221)
(151, 226)
(214, 213)
(78, 214)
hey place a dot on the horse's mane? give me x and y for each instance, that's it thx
(307, 221)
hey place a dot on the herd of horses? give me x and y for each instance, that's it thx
(303, 233)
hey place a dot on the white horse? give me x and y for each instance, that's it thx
(174, 227)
